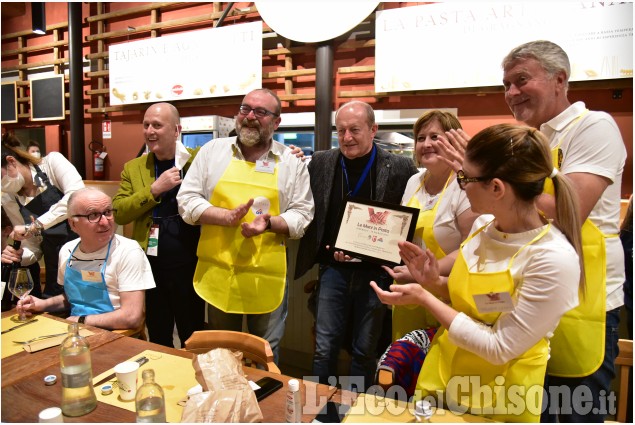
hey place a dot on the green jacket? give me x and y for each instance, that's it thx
(133, 201)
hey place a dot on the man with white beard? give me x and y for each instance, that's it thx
(248, 193)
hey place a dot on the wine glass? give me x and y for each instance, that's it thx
(20, 285)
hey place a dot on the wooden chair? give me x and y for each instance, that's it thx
(255, 349)
(624, 363)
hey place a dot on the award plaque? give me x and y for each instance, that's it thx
(370, 230)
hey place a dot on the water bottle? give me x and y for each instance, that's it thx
(150, 401)
(78, 396)
(293, 409)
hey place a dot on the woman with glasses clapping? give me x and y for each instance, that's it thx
(444, 221)
(513, 279)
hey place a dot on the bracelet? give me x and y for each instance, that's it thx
(268, 225)
(81, 319)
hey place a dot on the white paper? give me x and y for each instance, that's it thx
(181, 155)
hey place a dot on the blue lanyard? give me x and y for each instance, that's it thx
(362, 178)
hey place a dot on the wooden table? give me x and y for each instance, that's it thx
(19, 366)
(22, 401)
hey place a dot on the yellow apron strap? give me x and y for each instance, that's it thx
(406, 318)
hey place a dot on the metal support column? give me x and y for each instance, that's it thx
(76, 75)
(323, 95)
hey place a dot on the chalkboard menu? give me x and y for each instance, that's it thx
(9, 103)
(47, 98)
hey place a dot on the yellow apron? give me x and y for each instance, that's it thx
(510, 392)
(582, 329)
(406, 318)
(237, 274)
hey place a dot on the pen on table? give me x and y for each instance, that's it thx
(141, 360)
(19, 326)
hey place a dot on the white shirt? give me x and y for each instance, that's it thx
(593, 144)
(294, 189)
(63, 175)
(453, 203)
(547, 277)
(127, 267)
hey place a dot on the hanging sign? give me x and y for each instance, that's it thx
(106, 132)
(186, 65)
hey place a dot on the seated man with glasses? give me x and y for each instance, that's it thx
(105, 275)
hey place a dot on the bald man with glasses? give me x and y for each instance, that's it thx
(104, 275)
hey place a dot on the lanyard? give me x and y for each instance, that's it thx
(362, 178)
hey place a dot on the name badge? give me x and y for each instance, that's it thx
(265, 166)
(430, 203)
(494, 302)
(153, 241)
(91, 276)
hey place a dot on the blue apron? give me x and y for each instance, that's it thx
(87, 296)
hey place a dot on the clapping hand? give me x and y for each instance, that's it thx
(452, 148)
(406, 294)
(422, 265)
(256, 227)
(232, 217)
(400, 274)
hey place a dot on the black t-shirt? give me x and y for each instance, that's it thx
(177, 239)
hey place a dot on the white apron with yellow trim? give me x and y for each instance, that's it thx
(406, 318)
(237, 274)
(582, 329)
(448, 368)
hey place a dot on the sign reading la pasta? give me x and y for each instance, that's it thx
(462, 44)
(371, 230)
(215, 62)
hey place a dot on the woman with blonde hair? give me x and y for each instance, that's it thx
(444, 221)
(513, 279)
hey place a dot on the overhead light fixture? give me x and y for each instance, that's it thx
(38, 18)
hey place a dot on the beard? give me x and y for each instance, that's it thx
(253, 133)
(249, 136)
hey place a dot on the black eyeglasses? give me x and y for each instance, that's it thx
(94, 217)
(462, 179)
(258, 112)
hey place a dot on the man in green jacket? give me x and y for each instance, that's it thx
(147, 197)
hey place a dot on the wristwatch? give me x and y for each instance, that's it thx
(81, 319)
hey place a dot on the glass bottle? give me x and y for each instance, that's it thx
(423, 411)
(78, 396)
(150, 401)
(6, 272)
